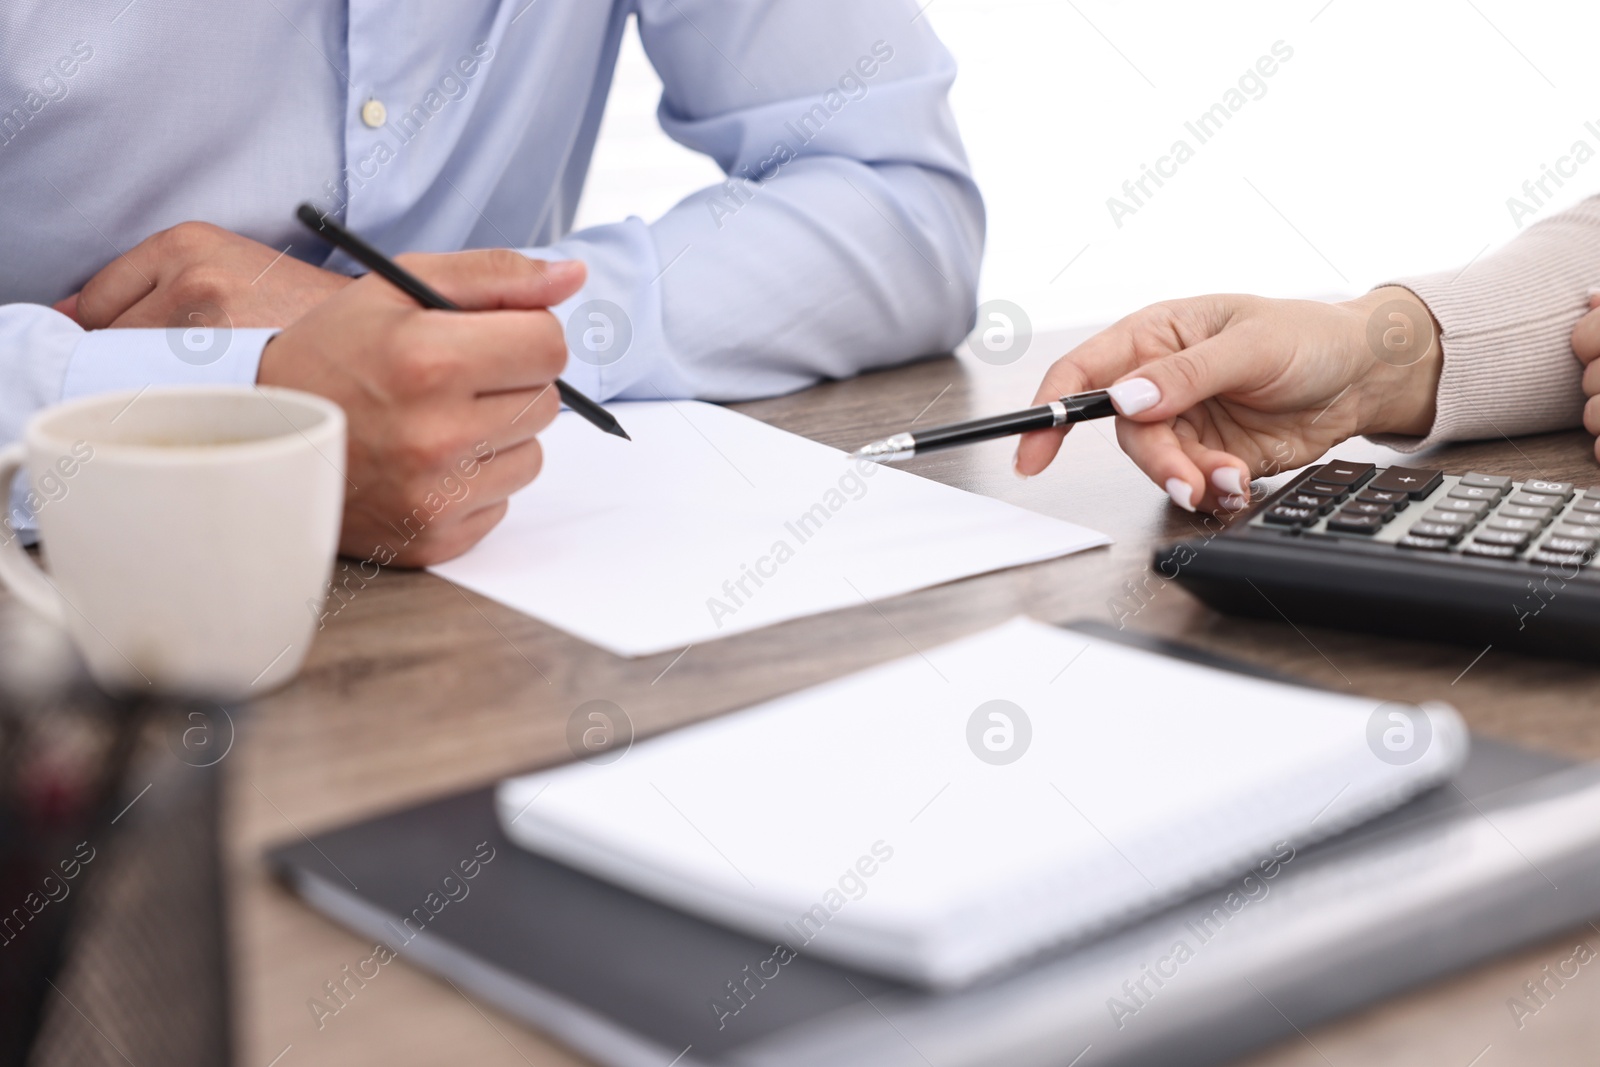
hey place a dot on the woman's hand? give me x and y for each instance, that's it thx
(1586, 346)
(1215, 390)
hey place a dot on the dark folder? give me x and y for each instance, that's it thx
(1506, 854)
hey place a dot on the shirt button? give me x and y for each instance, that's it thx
(374, 114)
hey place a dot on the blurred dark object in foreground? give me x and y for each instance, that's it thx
(112, 931)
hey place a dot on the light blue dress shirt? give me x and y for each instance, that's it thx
(848, 235)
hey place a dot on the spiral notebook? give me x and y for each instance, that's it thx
(951, 814)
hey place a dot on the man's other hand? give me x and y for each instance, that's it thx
(443, 406)
(192, 268)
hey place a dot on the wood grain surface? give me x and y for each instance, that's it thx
(417, 689)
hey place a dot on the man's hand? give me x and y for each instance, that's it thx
(1586, 346)
(443, 406)
(1217, 389)
(196, 267)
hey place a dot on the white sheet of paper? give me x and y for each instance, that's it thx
(1135, 779)
(710, 523)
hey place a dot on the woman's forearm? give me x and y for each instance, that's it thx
(1506, 323)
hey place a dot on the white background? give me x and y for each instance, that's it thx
(1388, 144)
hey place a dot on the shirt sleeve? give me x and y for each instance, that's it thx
(45, 358)
(848, 234)
(1506, 327)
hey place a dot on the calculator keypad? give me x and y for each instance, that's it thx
(1489, 516)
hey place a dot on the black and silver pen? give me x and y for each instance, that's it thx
(424, 294)
(1076, 408)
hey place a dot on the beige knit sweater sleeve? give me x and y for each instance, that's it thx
(1506, 324)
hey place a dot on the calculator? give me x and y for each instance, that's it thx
(1480, 559)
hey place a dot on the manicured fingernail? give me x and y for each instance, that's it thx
(1228, 480)
(1016, 466)
(1594, 290)
(1135, 395)
(1181, 492)
(1235, 503)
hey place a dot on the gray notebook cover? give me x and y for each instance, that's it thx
(1506, 854)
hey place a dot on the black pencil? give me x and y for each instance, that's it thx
(425, 295)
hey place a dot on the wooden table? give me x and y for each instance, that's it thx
(417, 689)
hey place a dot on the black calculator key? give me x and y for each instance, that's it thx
(1466, 507)
(1448, 531)
(1568, 546)
(1592, 494)
(1475, 492)
(1488, 481)
(1505, 522)
(1381, 496)
(1341, 473)
(1425, 544)
(1324, 489)
(1523, 511)
(1582, 518)
(1492, 551)
(1365, 507)
(1308, 500)
(1355, 522)
(1462, 519)
(1414, 482)
(1588, 505)
(1284, 515)
(1536, 500)
(1560, 489)
(1501, 537)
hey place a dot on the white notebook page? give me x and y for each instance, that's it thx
(1145, 777)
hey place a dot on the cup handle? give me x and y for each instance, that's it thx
(20, 574)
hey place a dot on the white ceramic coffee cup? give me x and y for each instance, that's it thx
(189, 532)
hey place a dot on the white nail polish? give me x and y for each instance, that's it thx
(1228, 480)
(1594, 290)
(1235, 503)
(1135, 395)
(1181, 492)
(1015, 457)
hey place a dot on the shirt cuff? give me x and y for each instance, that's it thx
(108, 360)
(616, 341)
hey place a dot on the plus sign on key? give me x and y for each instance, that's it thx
(1414, 483)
